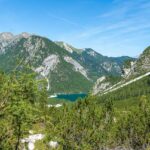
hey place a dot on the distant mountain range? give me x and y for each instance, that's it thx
(67, 69)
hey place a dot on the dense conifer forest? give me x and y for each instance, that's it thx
(117, 119)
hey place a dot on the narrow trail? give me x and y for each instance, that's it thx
(48, 85)
(114, 88)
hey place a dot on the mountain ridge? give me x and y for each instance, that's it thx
(67, 70)
(133, 71)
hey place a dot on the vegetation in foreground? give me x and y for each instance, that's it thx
(90, 124)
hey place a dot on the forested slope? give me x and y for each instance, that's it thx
(94, 123)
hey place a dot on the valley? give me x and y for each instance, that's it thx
(55, 96)
(74, 75)
(52, 61)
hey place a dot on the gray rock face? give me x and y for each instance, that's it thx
(25, 34)
(49, 64)
(5, 39)
(6, 36)
(76, 66)
(141, 65)
(92, 53)
(128, 71)
(100, 85)
(31, 48)
(68, 47)
(65, 46)
(111, 67)
(8, 39)
(144, 60)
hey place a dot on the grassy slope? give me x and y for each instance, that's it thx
(127, 96)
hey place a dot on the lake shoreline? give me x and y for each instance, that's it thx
(70, 96)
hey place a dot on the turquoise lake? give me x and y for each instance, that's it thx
(71, 97)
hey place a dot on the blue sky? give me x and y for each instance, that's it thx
(111, 27)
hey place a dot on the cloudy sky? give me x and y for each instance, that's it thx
(111, 27)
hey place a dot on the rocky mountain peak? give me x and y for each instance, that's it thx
(7, 39)
(65, 46)
(6, 36)
(68, 47)
(25, 34)
(91, 52)
(59, 62)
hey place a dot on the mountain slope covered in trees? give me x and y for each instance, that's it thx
(132, 70)
(96, 64)
(118, 120)
(67, 69)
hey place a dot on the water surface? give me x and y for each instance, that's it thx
(71, 97)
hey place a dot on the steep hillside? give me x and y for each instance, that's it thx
(47, 59)
(68, 47)
(130, 91)
(96, 64)
(104, 83)
(116, 121)
(140, 66)
(133, 71)
(66, 69)
(143, 63)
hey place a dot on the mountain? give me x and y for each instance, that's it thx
(68, 47)
(66, 69)
(116, 119)
(96, 64)
(137, 67)
(133, 70)
(103, 83)
(142, 65)
(47, 59)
